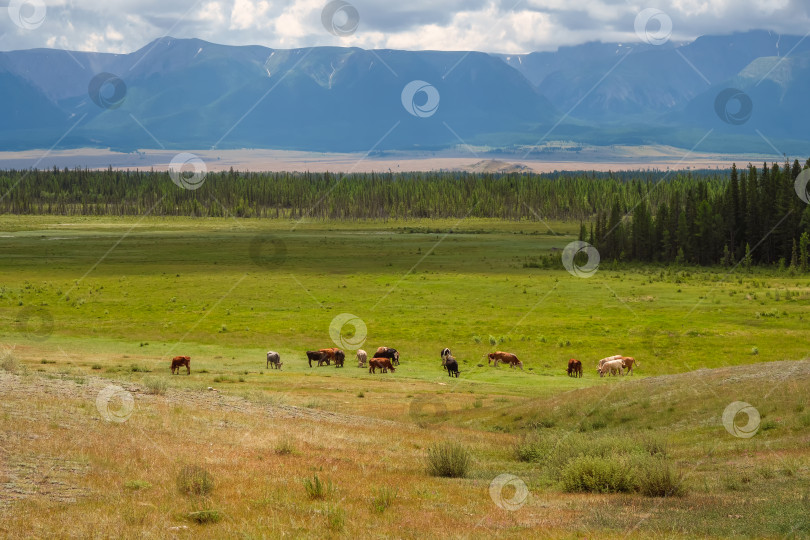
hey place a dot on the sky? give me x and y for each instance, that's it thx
(507, 26)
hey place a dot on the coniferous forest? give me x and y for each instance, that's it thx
(751, 215)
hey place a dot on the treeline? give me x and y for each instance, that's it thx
(563, 196)
(756, 218)
(698, 217)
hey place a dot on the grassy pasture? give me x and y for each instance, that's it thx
(123, 296)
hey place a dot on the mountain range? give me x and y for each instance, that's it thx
(742, 92)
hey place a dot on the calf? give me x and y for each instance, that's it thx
(608, 359)
(380, 363)
(445, 353)
(318, 356)
(273, 359)
(362, 358)
(340, 357)
(574, 368)
(611, 366)
(180, 361)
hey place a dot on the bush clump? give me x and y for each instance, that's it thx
(448, 460)
(194, 480)
(598, 475)
(156, 385)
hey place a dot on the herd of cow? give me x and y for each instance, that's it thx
(385, 358)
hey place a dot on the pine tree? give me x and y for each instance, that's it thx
(804, 252)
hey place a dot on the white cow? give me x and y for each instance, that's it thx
(608, 359)
(362, 356)
(612, 366)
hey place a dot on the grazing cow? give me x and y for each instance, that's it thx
(574, 368)
(380, 363)
(274, 359)
(612, 367)
(451, 365)
(340, 357)
(387, 352)
(180, 361)
(445, 353)
(362, 358)
(628, 362)
(608, 359)
(318, 356)
(330, 354)
(505, 357)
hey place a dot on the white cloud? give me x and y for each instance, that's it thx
(486, 25)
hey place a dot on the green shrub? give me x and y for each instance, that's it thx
(156, 385)
(194, 480)
(448, 459)
(382, 499)
(657, 478)
(96, 367)
(533, 449)
(598, 475)
(316, 489)
(135, 368)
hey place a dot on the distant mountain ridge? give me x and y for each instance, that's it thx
(188, 93)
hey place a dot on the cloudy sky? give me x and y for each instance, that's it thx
(510, 26)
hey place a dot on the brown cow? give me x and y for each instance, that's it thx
(180, 361)
(380, 363)
(628, 362)
(574, 368)
(340, 357)
(506, 358)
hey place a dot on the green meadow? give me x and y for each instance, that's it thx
(114, 299)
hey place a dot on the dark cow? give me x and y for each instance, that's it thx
(387, 352)
(318, 356)
(451, 366)
(273, 359)
(340, 357)
(380, 363)
(574, 368)
(180, 361)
